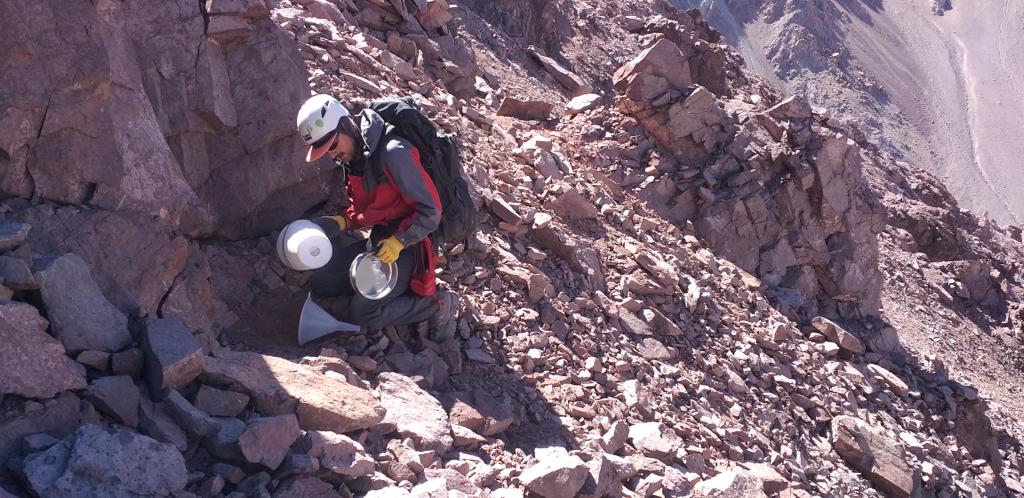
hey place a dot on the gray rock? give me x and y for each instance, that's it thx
(15, 274)
(652, 349)
(38, 442)
(58, 417)
(80, 316)
(173, 357)
(265, 440)
(229, 472)
(13, 235)
(305, 487)
(220, 403)
(128, 362)
(96, 461)
(556, 477)
(157, 423)
(190, 418)
(655, 440)
(339, 454)
(97, 360)
(730, 484)
(297, 464)
(32, 363)
(116, 396)
(415, 413)
(223, 444)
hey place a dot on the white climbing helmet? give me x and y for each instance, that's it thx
(316, 122)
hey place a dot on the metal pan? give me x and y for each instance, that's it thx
(372, 278)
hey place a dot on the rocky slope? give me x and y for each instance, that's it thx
(933, 82)
(684, 282)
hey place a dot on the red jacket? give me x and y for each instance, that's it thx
(403, 201)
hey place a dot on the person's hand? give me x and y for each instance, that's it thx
(389, 250)
(339, 219)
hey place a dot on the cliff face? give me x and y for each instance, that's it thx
(685, 281)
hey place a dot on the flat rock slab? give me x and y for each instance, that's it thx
(190, 418)
(13, 235)
(32, 363)
(876, 456)
(97, 461)
(415, 413)
(173, 356)
(279, 386)
(530, 110)
(837, 334)
(79, 314)
(220, 403)
(157, 423)
(116, 396)
(478, 411)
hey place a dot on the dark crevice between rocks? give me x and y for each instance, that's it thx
(88, 193)
(31, 149)
(206, 28)
(170, 288)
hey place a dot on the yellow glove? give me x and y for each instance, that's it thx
(389, 250)
(339, 219)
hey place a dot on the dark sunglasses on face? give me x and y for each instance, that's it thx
(324, 140)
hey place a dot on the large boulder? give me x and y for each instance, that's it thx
(872, 453)
(81, 317)
(663, 59)
(97, 461)
(415, 413)
(201, 138)
(32, 363)
(279, 386)
(134, 258)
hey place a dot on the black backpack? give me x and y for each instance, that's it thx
(439, 153)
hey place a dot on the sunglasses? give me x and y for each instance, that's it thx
(324, 140)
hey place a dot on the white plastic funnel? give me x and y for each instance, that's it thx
(315, 322)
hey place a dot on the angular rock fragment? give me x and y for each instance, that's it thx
(415, 413)
(265, 440)
(116, 396)
(173, 356)
(79, 314)
(556, 477)
(32, 363)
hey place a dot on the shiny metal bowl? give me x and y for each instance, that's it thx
(371, 277)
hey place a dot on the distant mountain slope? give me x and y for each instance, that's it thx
(942, 91)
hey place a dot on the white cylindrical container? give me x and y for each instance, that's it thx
(302, 245)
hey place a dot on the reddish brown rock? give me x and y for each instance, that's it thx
(279, 386)
(880, 459)
(265, 440)
(32, 363)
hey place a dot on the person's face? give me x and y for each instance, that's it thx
(343, 148)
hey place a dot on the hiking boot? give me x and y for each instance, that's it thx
(442, 323)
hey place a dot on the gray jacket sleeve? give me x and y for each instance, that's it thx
(416, 187)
